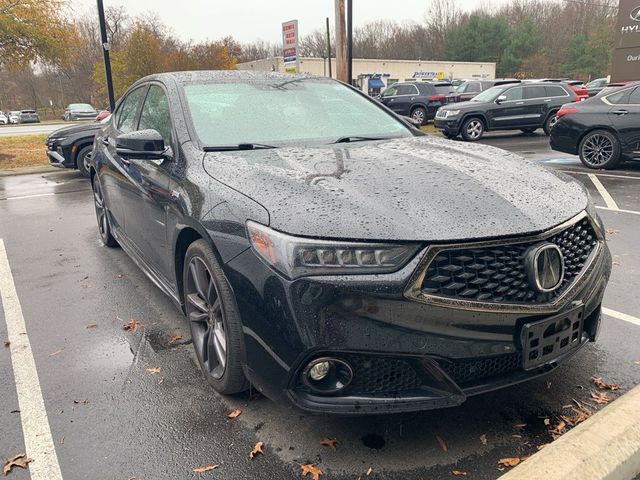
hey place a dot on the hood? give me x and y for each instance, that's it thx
(73, 129)
(418, 189)
(462, 105)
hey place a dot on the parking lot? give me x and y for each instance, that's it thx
(132, 404)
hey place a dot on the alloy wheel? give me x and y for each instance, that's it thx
(418, 116)
(597, 150)
(101, 212)
(474, 129)
(205, 312)
(86, 161)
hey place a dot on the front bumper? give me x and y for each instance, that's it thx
(450, 126)
(406, 355)
(59, 157)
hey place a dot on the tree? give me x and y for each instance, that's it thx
(523, 43)
(481, 38)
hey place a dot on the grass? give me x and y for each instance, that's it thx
(22, 151)
(430, 128)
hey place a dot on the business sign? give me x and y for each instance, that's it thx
(625, 64)
(427, 74)
(290, 47)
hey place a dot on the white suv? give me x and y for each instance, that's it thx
(3, 119)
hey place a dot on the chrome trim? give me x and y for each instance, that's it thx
(414, 287)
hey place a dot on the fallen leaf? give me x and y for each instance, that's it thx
(205, 468)
(612, 231)
(311, 469)
(520, 425)
(91, 325)
(62, 440)
(516, 436)
(52, 354)
(440, 441)
(540, 447)
(600, 397)
(329, 442)
(20, 460)
(174, 339)
(483, 439)
(598, 382)
(85, 285)
(369, 470)
(637, 362)
(256, 450)
(160, 381)
(234, 414)
(509, 462)
(547, 421)
(458, 472)
(6, 343)
(84, 402)
(132, 325)
(558, 430)
(153, 371)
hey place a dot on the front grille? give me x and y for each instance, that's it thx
(497, 273)
(466, 371)
(382, 376)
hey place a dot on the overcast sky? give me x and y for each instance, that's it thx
(248, 20)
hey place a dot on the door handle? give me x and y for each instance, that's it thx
(620, 112)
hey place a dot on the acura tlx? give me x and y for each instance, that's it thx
(333, 256)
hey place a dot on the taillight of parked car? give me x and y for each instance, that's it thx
(436, 98)
(565, 111)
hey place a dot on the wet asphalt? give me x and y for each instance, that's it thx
(111, 418)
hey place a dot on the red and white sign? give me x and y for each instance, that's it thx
(290, 46)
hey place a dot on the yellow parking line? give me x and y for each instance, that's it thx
(611, 203)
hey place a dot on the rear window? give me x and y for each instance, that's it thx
(537, 91)
(445, 89)
(555, 91)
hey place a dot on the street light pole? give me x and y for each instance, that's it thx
(350, 41)
(105, 54)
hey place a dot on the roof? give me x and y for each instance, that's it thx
(224, 76)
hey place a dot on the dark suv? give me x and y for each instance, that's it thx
(418, 100)
(469, 89)
(525, 107)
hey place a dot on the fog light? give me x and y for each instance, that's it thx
(319, 371)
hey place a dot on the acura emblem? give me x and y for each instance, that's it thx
(635, 14)
(544, 265)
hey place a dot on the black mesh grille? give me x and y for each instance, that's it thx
(497, 273)
(382, 376)
(465, 371)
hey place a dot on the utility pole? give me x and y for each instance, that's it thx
(329, 47)
(341, 43)
(105, 54)
(350, 40)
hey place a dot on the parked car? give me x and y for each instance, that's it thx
(577, 86)
(595, 86)
(419, 100)
(603, 130)
(14, 117)
(70, 147)
(335, 257)
(4, 120)
(525, 107)
(79, 111)
(469, 89)
(28, 116)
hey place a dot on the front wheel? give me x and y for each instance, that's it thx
(472, 129)
(104, 226)
(600, 149)
(216, 328)
(82, 160)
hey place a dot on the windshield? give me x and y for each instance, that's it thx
(314, 110)
(489, 94)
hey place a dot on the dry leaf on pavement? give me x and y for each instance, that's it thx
(600, 397)
(234, 414)
(256, 450)
(311, 469)
(598, 382)
(83, 402)
(153, 371)
(91, 325)
(443, 445)
(612, 231)
(520, 425)
(509, 462)
(174, 339)
(369, 470)
(132, 325)
(459, 472)
(483, 439)
(329, 442)
(205, 468)
(53, 354)
(6, 343)
(558, 430)
(546, 422)
(20, 460)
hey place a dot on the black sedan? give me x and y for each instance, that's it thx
(603, 130)
(70, 147)
(333, 256)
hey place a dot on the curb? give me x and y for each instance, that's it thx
(9, 172)
(606, 446)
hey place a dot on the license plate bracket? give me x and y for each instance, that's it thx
(547, 340)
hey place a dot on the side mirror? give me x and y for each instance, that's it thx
(500, 99)
(411, 121)
(141, 145)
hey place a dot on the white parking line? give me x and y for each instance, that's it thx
(35, 424)
(619, 210)
(621, 316)
(612, 175)
(20, 197)
(611, 203)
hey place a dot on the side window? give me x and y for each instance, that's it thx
(407, 89)
(390, 91)
(514, 94)
(155, 113)
(618, 97)
(634, 98)
(537, 91)
(126, 115)
(555, 91)
(472, 87)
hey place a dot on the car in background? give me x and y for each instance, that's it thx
(603, 131)
(79, 111)
(525, 107)
(577, 86)
(14, 117)
(4, 120)
(470, 88)
(418, 100)
(70, 147)
(595, 86)
(28, 116)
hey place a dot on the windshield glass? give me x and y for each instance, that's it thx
(313, 110)
(490, 94)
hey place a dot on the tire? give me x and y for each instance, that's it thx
(419, 114)
(450, 136)
(102, 215)
(472, 129)
(600, 149)
(549, 123)
(216, 328)
(82, 160)
(528, 131)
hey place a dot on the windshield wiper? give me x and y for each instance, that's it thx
(358, 139)
(239, 146)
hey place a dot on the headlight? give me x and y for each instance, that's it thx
(451, 113)
(296, 257)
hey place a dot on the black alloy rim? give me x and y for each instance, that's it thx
(101, 212)
(206, 315)
(597, 150)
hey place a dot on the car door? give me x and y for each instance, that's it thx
(403, 96)
(146, 189)
(509, 112)
(536, 105)
(625, 117)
